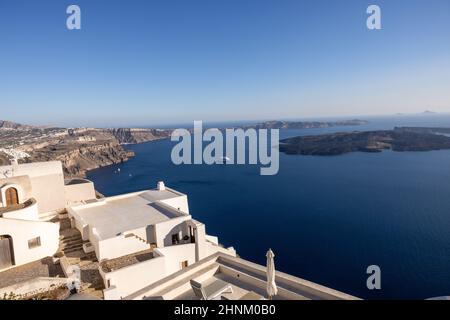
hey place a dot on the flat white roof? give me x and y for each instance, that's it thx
(116, 215)
(35, 169)
(156, 195)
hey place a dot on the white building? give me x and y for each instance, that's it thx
(157, 221)
(154, 224)
(31, 194)
(146, 244)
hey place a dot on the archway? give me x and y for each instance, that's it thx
(12, 197)
(6, 252)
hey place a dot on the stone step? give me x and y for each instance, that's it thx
(83, 257)
(71, 232)
(68, 238)
(70, 242)
(94, 292)
(71, 250)
(84, 263)
(89, 288)
(64, 224)
(73, 261)
(89, 285)
(95, 288)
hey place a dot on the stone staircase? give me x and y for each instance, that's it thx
(70, 242)
(71, 246)
(64, 224)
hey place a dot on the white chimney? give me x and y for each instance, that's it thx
(15, 162)
(160, 186)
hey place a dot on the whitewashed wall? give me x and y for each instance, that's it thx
(175, 255)
(21, 231)
(46, 180)
(179, 203)
(132, 278)
(79, 192)
(29, 213)
(119, 246)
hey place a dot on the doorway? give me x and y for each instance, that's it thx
(12, 197)
(6, 252)
(192, 234)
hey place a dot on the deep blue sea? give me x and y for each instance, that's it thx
(326, 218)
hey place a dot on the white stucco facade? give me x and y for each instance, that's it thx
(30, 195)
(78, 190)
(125, 224)
(45, 184)
(156, 220)
(23, 231)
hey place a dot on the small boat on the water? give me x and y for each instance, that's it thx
(224, 160)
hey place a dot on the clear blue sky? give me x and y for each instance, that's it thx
(170, 61)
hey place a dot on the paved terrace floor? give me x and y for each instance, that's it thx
(125, 261)
(41, 268)
(119, 215)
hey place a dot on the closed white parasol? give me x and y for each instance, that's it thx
(271, 285)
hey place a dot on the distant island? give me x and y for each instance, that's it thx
(305, 124)
(423, 113)
(398, 139)
(426, 112)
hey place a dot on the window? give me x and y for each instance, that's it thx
(34, 243)
(184, 264)
(175, 238)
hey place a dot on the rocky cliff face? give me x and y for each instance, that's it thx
(77, 161)
(9, 125)
(127, 135)
(79, 149)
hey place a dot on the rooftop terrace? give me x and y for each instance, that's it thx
(247, 280)
(116, 215)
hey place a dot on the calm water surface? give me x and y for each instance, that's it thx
(326, 218)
